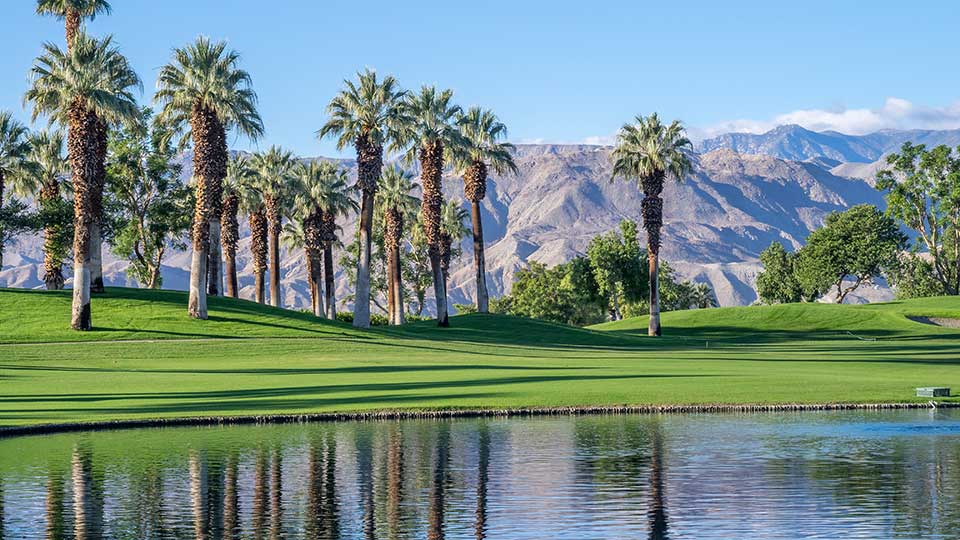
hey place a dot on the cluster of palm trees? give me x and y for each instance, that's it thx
(203, 94)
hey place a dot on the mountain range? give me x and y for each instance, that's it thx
(746, 191)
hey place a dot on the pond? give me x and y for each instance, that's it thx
(787, 475)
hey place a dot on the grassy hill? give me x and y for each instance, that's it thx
(146, 359)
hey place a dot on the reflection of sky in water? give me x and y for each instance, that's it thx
(865, 474)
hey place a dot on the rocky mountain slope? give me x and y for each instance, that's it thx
(716, 223)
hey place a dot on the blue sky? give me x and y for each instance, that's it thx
(556, 71)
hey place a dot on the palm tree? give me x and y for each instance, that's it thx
(47, 153)
(238, 178)
(84, 89)
(452, 230)
(702, 296)
(648, 152)
(73, 12)
(251, 203)
(297, 234)
(275, 177)
(335, 201)
(15, 165)
(398, 207)
(306, 231)
(204, 94)
(483, 133)
(433, 136)
(369, 115)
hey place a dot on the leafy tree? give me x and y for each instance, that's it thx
(778, 282)
(857, 244)
(483, 134)
(566, 293)
(86, 89)
(922, 190)
(615, 259)
(149, 209)
(914, 277)
(205, 94)
(369, 115)
(15, 219)
(649, 152)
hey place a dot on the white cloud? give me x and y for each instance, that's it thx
(895, 113)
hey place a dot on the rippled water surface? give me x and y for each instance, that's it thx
(799, 475)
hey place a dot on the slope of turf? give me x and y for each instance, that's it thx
(251, 360)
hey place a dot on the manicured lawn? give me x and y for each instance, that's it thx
(249, 359)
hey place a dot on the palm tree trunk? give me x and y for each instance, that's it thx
(230, 268)
(52, 264)
(431, 176)
(315, 276)
(96, 238)
(329, 285)
(214, 258)
(652, 208)
(439, 288)
(483, 299)
(361, 303)
(209, 167)
(391, 294)
(258, 249)
(653, 327)
(72, 26)
(229, 235)
(82, 149)
(274, 247)
(96, 258)
(2, 187)
(397, 279)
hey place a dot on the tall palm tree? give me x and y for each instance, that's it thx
(275, 178)
(251, 203)
(297, 234)
(84, 89)
(73, 12)
(483, 133)
(47, 153)
(368, 114)
(238, 178)
(15, 165)
(315, 181)
(399, 207)
(204, 94)
(649, 152)
(452, 230)
(335, 201)
(434, 136)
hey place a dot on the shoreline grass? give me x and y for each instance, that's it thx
(256, 361)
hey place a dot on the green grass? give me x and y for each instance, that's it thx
(148, 360)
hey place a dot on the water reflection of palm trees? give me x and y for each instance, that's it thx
(322, 506)
(56, 529)
(483, 473)
(87, 496)
(657, 508)
(438, 486)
